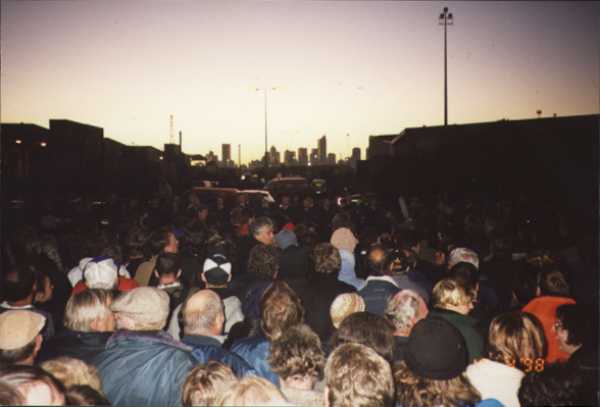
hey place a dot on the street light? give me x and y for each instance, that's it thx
(266, 91)
(446, 19)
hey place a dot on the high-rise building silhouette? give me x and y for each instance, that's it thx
(289, 157)
(355, 154)
(331, 159)
(225, 152)
(322, 149)
(314, 156)
(302, 156)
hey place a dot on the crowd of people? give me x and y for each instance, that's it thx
(310, 301)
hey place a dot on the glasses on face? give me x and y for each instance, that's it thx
(558, 325)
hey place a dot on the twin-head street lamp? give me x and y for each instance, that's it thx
(445, 20)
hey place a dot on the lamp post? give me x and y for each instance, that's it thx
(265, 92)
(446, 19)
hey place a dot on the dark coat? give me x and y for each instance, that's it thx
(317, 299)
(256, 351)
(144, 368)
(79, 345)
(376, 294)
(206, 348)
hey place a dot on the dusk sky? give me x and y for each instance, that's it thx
(358, 67)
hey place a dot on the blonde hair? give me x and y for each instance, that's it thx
(86, 307)
(450, 292)
(357, 376)
(413, 390)
(73, 372)
(344, 305)
(515, 337)
(206, 383)
(253, 391)
(281, 308)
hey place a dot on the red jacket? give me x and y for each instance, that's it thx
(544, 308)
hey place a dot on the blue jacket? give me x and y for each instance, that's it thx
(347, 273)
(144, 368)
(376, 294)
(206, 348)
(255, 351)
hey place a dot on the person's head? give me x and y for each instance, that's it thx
(203, 314)
(450, 294)
(367, 329)
(553, 282)
(297, 357)
(378, 261)
(516, 337)
(35, 385)
(467, 274)
(19, 284)
(20, 336)
(404, 310)
(206, 383)
(141, 309)
(216, 271)
(462, 254)
(168, 268)
(85, 396)
(101, 273)
(262, 230)
(73, 372)
(327, 259)
(89, 311)
(280, 309)
(264, 260)
(343, 239)
(356, 375)
(432, 372)
(202, 213)
(345, 305)
(555, 385)
(164, 240)
(285, 200)
(308, 202)
(575, 326)
(286, 238)
(252, 391)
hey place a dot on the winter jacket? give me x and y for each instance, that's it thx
(377, 292)
(256, 351)
(544, 308)
(206, 348)
(496, 380)
(323, 289)
(467, 327)
(79, 345)
(145, 368)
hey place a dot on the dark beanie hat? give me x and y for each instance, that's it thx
(436, 350)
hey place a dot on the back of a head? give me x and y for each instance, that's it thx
(264, 260)
(450, 292)
(20, 336)
(85, 396)
(201, 311)
(207, 383)
(404, 310)
(553, 282)
(466, 273)
(345, 305)
(101, 273)
(356, 376)
(35, 385)
(515, 338)
(378, 261)
(367, 329)
(73, 372)
(168, 263)
(19, 283)
(141, 309)
(86, 307)
(253, 391)
(281, 308)
(297, 352)
(327, 259)
(555, 385)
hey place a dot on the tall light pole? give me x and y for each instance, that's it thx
(266, 91)
(446, 20)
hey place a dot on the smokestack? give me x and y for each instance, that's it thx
(180, 138)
